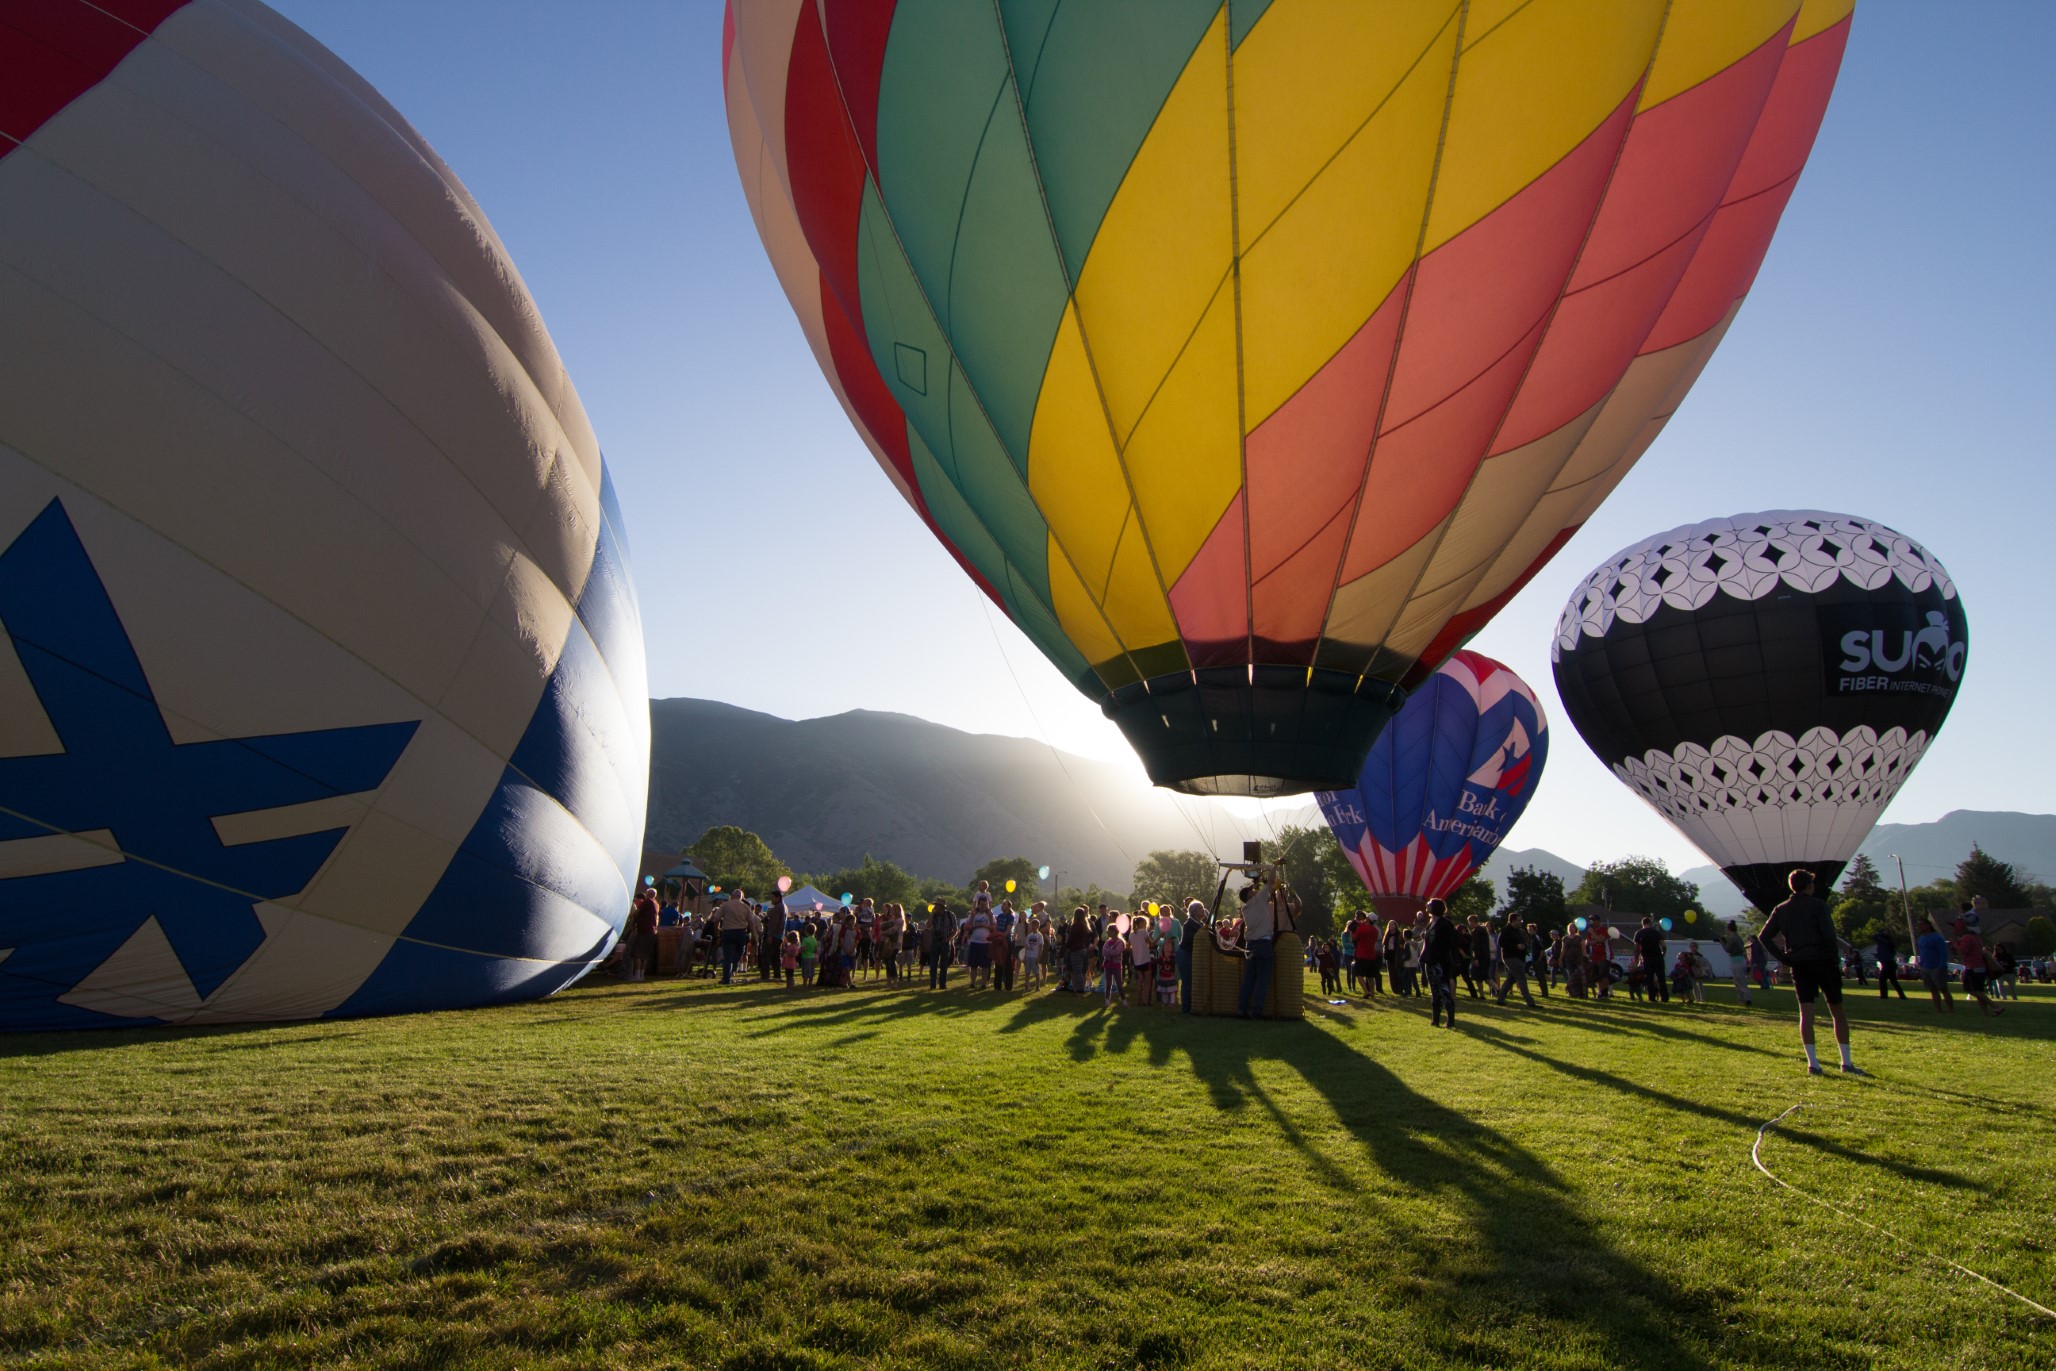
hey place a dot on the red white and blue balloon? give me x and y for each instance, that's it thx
(1444, 782)
(321, 676)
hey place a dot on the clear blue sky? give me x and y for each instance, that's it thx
(1886, 365)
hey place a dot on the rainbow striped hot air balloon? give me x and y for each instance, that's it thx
(1443, 785)
(1252, 355)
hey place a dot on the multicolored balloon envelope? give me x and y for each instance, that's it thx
(1442, 785)
(1251, 355)
(321, 680)
(1767, 682)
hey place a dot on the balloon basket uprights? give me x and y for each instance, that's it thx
(1217, 979)
(1253, 730)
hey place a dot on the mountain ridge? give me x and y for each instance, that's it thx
(825, 792)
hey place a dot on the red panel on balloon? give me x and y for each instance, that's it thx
(54, 51)
(856, 40)
(1306, 462)
(1482, 292)
(1211, 599)
(868, 394)
(825, 164)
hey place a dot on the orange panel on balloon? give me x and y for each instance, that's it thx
(1211, 601)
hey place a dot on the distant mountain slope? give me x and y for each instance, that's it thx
(1931, 850)
(1504, 862)
(823, 792)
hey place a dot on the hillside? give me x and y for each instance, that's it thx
(938, 801)
(1931, 851)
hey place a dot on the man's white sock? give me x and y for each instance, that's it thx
(1812, 1060)
(1846, 1061)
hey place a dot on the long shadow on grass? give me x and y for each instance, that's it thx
(1697, 1108)
(1542, 1260)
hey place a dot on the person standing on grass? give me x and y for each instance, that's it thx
(2005, 972)
(810, 951)
(733, 919)
(1649, 951)
(1513, 950)
(1888, 965)
(1262, 904)
(1079, 947)
(1440, 959)
(1931, 958)
(1142, 956)
(1803, 935)
(639, 942)
(1189, 932)
(1570, 949)
(1113, 958)
(977, 937)
(1538, 957)
(1738, 962)
(941, 938)
(1365, 942)
(1002, 961)
(1031, 955)
(1977, 968)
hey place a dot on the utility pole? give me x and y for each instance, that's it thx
(1906, 906)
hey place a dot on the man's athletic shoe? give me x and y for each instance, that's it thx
(1813, 1071)
(1854, 1071)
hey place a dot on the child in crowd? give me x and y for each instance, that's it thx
(789, 956)
(1031, 958)
(1167, 969)
(810, 953)
(1330, 963)
(1113, 959)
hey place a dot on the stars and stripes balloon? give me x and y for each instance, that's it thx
(321, 681)
(1442, 785)
(1252, 355)
(1766, 682)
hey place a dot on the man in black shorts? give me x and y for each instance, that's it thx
(1804, 937)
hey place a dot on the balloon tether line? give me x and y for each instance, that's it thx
(1755, 1156)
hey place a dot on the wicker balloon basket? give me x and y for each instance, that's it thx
(1217, 980)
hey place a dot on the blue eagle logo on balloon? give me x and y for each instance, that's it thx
(1445, 781)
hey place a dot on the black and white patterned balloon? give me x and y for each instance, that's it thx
(1767, 681)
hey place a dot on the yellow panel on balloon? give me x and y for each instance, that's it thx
(1078, 612)
(1166, 242)
(1073, 472)
(1528, 90)
(1185, 459)
(1309, 77)
(1135, 600)
(1704, 37)
(1816, 15)
(1329, 261)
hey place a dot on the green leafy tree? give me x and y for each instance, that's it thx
(1475, 896)
(1345, 889)
(1936, 898)
(1983, 874)
(1637, 885)
(1860, 880)
(880, 882)
(1307, 871)
(2041, 936)
(1536, 897)
(1000, 870)
(1858, 918)
(930, 889)
(1092, 896)
(735, 857)
(1174, 877)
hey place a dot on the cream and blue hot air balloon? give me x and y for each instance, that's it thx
(321, 678)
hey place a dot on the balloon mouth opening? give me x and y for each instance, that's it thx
(1254, 730)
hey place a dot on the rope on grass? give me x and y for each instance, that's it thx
(1756, 1156)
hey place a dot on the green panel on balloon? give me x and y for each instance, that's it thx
(1027, 25)
(945, 74)
(1006, 286)
(1105, 70)
(993, 488)
(1035, 619)
(1242, 16)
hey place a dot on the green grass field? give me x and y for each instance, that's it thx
(679, 1174)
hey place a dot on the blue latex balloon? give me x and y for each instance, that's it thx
(1444, 782)
(1581, 925)
(1664, 924)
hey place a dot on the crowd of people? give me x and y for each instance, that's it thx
(1145, 957)
(1142, 957)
